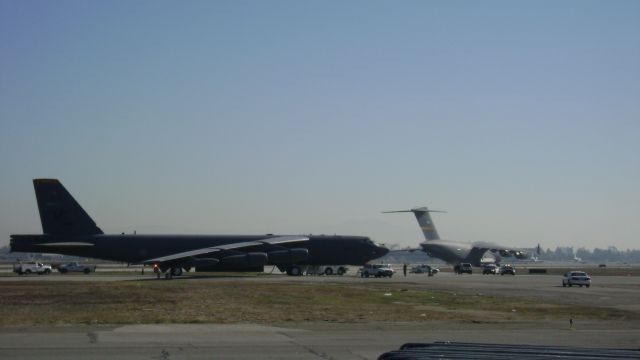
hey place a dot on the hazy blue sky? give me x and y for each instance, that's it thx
(521, 119)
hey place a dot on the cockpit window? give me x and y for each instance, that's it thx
(368, 241)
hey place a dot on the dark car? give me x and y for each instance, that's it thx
(507, 269)
(424, 269)
(489, 269)
(463, 268)
(76, 267)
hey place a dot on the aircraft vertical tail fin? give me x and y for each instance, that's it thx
(424, 221)
(60, 214)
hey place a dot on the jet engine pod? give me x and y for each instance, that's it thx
(198, 262)
(250, 259)
(289, 256)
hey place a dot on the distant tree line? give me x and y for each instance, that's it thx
(610, 254)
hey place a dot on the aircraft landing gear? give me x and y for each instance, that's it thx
(171, 273)
(294, 271)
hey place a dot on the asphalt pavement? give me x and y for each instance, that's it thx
(334, 340)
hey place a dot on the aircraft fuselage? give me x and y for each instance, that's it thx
(449, 251)
(323, 249)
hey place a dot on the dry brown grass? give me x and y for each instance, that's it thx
(238, 301)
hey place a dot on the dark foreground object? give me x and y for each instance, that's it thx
(457, 350)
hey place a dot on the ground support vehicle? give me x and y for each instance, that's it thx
(579, 278)
(508, 270)
(463, 268)
(489, 269)
(31, 268)
(376, 270)
(326, 270)
(76, 267)
(424, 269)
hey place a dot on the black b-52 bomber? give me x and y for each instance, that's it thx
(68, 230)
(455, 252)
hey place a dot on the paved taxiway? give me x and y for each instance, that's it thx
(304, 341)
(334, 340)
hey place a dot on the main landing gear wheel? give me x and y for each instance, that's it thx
(171, 273)
(176, 271)
(294, 271)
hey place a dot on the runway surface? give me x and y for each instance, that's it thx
(334, 340)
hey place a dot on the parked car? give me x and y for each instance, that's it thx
(377, 270)
(463, 268)
(424, 269)
(507, 269)
(76, 267)
(490, 269)
(27, 268)
(580, 278)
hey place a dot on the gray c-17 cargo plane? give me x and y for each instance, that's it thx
(68, 230)
(454, 252)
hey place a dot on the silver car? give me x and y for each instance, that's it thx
(576, 278)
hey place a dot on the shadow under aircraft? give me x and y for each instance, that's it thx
(455, 252)
(69, 230)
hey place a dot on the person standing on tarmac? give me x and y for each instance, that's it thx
(404, 270)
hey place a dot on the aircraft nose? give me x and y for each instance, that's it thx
(381, 251)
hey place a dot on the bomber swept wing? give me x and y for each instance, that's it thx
(194, 254)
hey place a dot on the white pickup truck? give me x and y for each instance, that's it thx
(76, 267)
(377, 270)
(27, 268)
